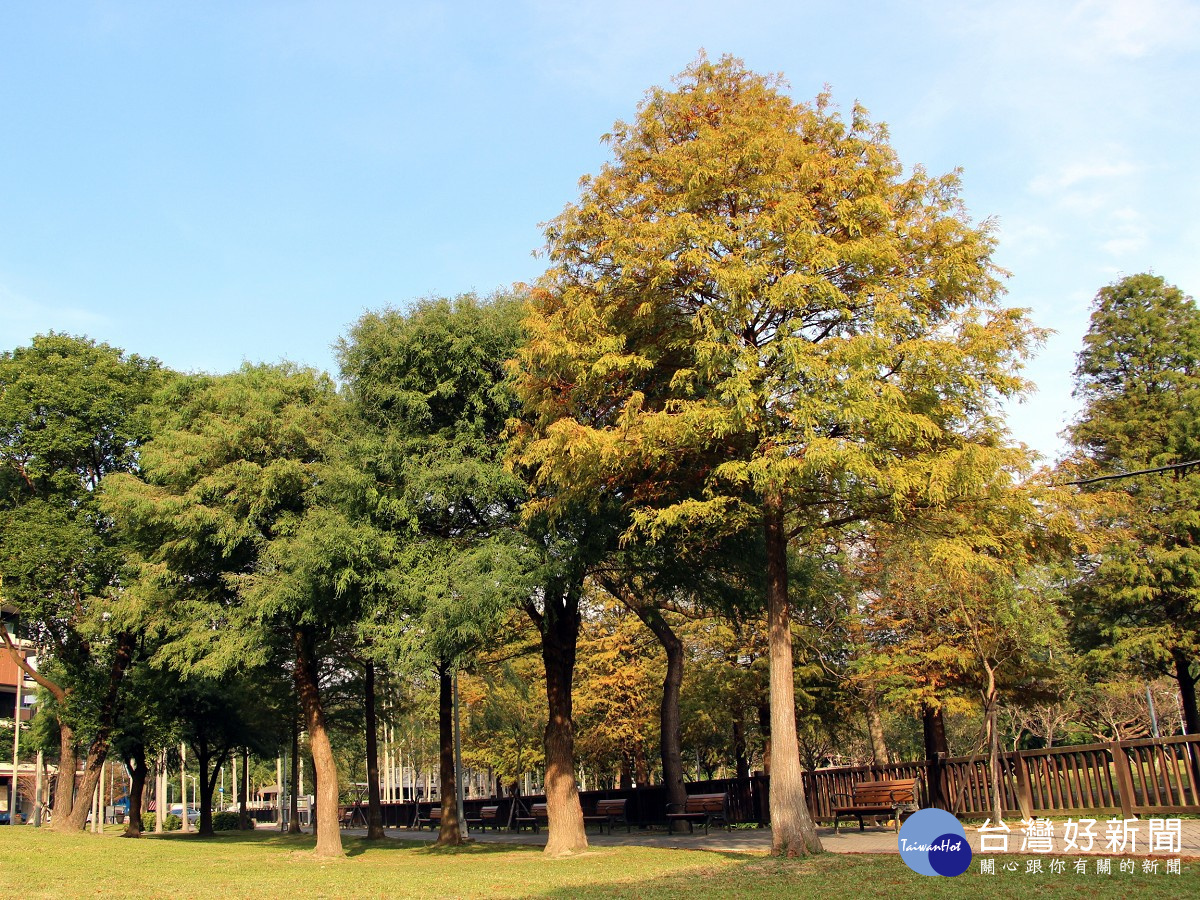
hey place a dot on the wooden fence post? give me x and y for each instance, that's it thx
(1024, 793)
(1124, 778)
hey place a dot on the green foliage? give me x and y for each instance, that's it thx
(72, 412)
(958, 607)
(753, 294)
(171, 822)
(431, 396)
(225, 821)
(1139, 378)
(233, 512)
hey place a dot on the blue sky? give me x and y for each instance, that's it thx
(224, 181)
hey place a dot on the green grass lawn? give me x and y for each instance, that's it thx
(41, 864)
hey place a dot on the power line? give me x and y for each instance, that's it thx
(1173, 466)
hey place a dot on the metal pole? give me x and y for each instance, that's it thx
(458, 768)
(97, 795)
(37, 792)
(279, 790)
(160, 791)
(183, 787)
(1153, 717)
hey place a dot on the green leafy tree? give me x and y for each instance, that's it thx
(72, 411)
(1138, 376)
(754, 291)
(963, 611)
(241, 512)
(430, 388)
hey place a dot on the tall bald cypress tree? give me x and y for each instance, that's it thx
(753, 298)
(1138, 376)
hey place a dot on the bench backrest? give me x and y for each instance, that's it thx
(708, 803)
(538, 810)
(610, 808)
(489, 812)
(435, 812)
(902, 790)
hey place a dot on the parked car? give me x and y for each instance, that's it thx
(177, 810)
(6, 819)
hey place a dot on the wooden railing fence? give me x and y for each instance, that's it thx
(1148, 777)
(1152, 776)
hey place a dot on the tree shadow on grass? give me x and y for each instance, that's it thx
(358, 846)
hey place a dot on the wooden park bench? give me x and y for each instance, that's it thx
(610, 813)
(537, 817)
(701, 809)
(489, 817)
(878, 798)
(433, 820)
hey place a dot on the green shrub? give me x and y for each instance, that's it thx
(225, 821)
(171, 823)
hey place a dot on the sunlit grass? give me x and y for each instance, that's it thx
(42, 864)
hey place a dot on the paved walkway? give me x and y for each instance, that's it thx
(876, 839)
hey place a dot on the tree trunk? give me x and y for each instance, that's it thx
(668, 711)
(106, 718)
(137, 787)
(329, 834)
(206, 785)
(741, 760)
(792, 830)
(764, 727)
(933, 728)
(991, 700)
(244, 792)
(641, 768)
(559, 627)
(1187, 697)
(374, 804)
(451, 834)
(1187, 691)
(625, 777)
(875, 728)
(68, 759)
(293, 798)
(64, 786)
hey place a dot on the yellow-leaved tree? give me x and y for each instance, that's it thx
(754, 318)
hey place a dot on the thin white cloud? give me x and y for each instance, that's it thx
(1131, 28)
(21, 318)
(1093, 170)
(1089, 32)
(1022, 237)
(1129, 231)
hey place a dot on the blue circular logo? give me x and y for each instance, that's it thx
(933, 842)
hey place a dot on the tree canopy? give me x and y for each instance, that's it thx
(1139, 378)
(754, 291)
